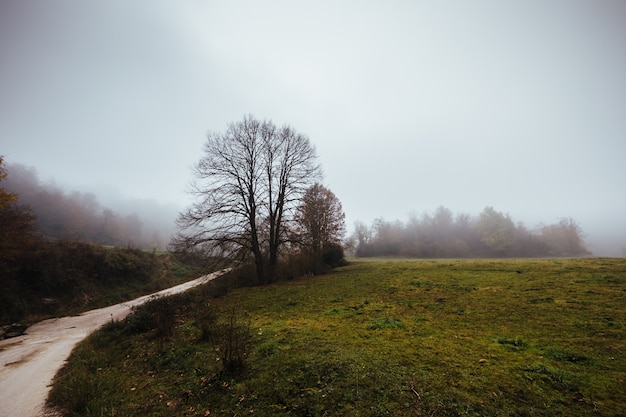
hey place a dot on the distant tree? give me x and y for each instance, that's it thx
(388, 237)
(248, 182)
(361, 236)
(443, 222)
(435, 233)
(497, 230)
(6, 197)
(564, 238)
(320, 225)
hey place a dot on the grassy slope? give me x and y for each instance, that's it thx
(414, 338)
(70, 278)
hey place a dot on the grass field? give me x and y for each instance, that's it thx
(375, 338)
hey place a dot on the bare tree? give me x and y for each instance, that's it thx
(362, 237)
(290, 168)
(247, 185)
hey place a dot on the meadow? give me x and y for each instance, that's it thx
(542, 337)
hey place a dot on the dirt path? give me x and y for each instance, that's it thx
(29, 363)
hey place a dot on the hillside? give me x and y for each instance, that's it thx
(51, 279)
(397, 338)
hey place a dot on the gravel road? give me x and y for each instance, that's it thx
(28, 363)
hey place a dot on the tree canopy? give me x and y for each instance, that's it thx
(321, 226)
(248, 183)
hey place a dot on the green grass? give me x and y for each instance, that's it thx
(377, 338)
(62, 278)
(168, 272)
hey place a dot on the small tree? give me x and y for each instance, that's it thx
(564, 238)
(497, 230)
(362, 237)
(321, 226)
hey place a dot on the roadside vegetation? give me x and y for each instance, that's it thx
(374, 338)
(53, 279)
(44, 275)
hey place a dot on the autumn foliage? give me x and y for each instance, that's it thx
(320, 228)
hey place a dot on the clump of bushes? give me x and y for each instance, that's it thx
(158, 317)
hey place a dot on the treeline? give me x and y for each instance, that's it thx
(78, 216)
(444, 235)
(42, 277)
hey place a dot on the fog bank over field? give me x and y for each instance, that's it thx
(157, 216)
(606, 240)
(126, 220)
(515, 105)
(110, 217)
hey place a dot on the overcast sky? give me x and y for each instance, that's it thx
(519, 105)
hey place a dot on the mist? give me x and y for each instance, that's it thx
(490, 234)
(411, 105)
(602, 235)
(104, 217)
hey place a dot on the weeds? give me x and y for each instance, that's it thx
(385, 323)
(515, 344)
(564, 355)
(230, 340)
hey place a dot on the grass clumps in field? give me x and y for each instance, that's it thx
(375, 338)
(386, 323)
(514, 344)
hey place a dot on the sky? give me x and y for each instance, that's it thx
(518, 105)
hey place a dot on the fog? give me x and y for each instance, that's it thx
(412, 105)
(107, 218)
(443, 234)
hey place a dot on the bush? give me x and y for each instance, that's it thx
(230, 339)
(333, 255)
(158, 316)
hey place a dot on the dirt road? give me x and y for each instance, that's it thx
(29, 363)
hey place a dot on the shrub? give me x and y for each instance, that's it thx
(158, 316)
(333, 255)
(230, 339)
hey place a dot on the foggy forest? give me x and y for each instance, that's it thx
(439, 234)
(80, 216)
(444, 235)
